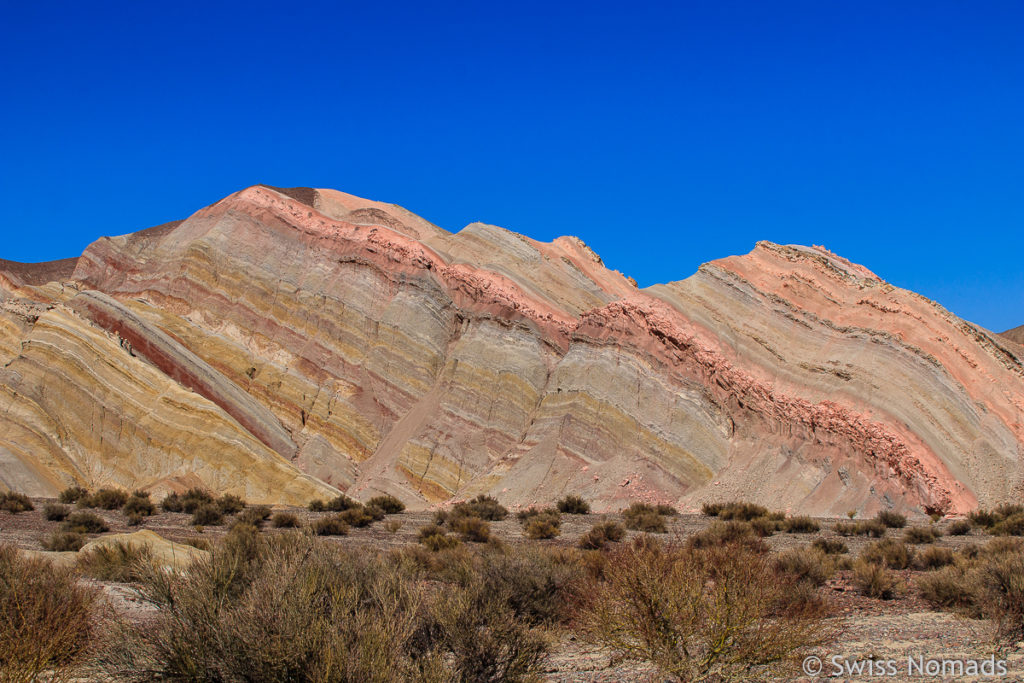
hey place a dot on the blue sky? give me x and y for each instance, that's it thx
(664, 135)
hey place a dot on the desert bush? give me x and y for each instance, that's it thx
(1011, 525)
(1000, 580)
(765, 526)
(285, 520)
(872, 528)
(743, 511)
(119, 561)
(330, 526)
(875, 581)
(933, 557)
(921, 534)
(72, 494)
(84, 523)
(208, 514)
(805, 564)
(601, 534)
(55, 512)
(830, 546)
(540, 527)
(393, 525)
(728, 533)
(801, 525)
(135, 519)
(64, 542)
(483, 506)
(230, 504)
(538, 584)
(892, 520)
(389, 504)
(359, 516)
(139, 505)
(889, 552)
(711, 509)
(949, 587)
(471, 529)
(573, 505)
(15, 502)
(644, 517)
(700, 614)
(104, 499)
(666, 510)
(187, 502)
(960, 527)
(255, 515)
(46, 619)
(435, 538)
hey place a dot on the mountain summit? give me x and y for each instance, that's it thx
(286, 344)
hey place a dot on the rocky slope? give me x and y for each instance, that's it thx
(1015, 335)
(284, 343)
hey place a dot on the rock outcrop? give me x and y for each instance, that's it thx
(288, 343)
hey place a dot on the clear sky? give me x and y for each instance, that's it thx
(664, 135)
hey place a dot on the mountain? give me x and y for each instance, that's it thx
(1015, 335)
(287, 343)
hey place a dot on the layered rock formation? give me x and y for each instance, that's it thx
(286, 343)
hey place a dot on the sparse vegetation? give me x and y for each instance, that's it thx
(933, 557)
(435, 538)
(875, 581)
(541, 527)
(139, 505)
(891, 520)
(84, 523)
(806, 564)
(472, 529)
(573, 505)
(960, 527)
(921, 534)
(55, 512)
(116, 562)
(72, 494)
(207, 514)
(728, 533)
(255, 515)
(801, 525)
(889, 552)
(64, 542)
(285, 520)
(187, 502)
(644, 517)
(330, 526)
(830, 546)
(15, 502)
(389, 504)
(483, 506)
(601, 534)
(230, 504)
(104, 499)
(873, 528)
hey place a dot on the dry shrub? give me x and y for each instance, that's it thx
(46, 619)
(934, 557)
(701, 614)
(389, 504)
(875, 581)
(483, 506)
(255, 515)
(64, 542)
(573, 505)
(1000, 579)
(187, 502)
(472, 529)
(104, 499)
(330, 526)
(949, 587)
(230, 504)
(601, 534)
(139, 504)
(830, 546)
(15, 502)
(805, 564)
(285, 520)
(644, 517)
(801, 525)
(84, 523)
(960, 527)
(892, 520)
(872, 528)
(540, 528)
(55, 512)
(731, 533)
(72, 494)
(207, 514)
(921, 534)
(359, 516)
(742, 511)
(765, 526)
(1012, 525)
(889, 552)
(120, 562)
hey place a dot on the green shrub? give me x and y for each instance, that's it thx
(230, 504)
(921, 534)
(389, 504)
(55, 512)
(285, 520)
(72, 494)
(208, 514)
(47, 619)
(830, 546)
(550, 516)
(15, 502)
(805, 564)
(891, 520)
(601, 534)
(84, 523)
(330, 526)
(64, 542)
(960, 527)
(573, 505)
(889, 552)
(875, 581)
(801, 525)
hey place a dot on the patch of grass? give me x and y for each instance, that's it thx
(921, 534)
(285, 520)
(872, 528)
(84, 523)
(949, 587)
(46, 619)
(765, 526)
(573, 505)
(389, 504)
(875, 581)
(1011, 525)
(72, 494)
(892, 520)
(64, 542)
(601, 534)
(15, 502)
(55, 512)
(742, 511)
